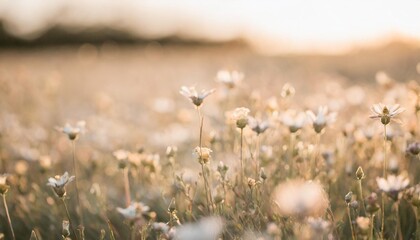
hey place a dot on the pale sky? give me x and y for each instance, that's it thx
(270, 26)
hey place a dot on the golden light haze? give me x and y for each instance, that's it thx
(270, 26)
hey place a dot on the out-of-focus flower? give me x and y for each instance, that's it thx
(21, 167)
(318, 225)
(386, 113)
(66, 229)
(301, 199)
(58, 183)
(122, 156)
(229, 79)
(203, 154)
(195, 97)
(160, 227)
(413, 148)
(322, 118)
(414, 193)
(393, 185)
(45, 162)
(171, 151)
(4, 187)
(384, 80)
(293, 120)
(207, 228)
(73, 132)
(363, 223)
(372, 205)
(348, 197)
(135, 211)
(258, 126)
(287, 91)
(240, 115)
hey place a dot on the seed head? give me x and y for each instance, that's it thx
(240, 115)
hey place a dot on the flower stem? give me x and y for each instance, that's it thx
(127, 187)
(361, 197)
(384, 173)
(257, 153)
(8, 216)
(397, 212)
(206, 183)
(351, 223)
(76, 181)
(241, 157)
(68, 216)
(372, 224)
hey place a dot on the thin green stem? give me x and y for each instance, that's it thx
(372, 224)
(257, 161)
(8, 216)
(68, 216)
(351, 223)
(79, 206)
(241, 157)
(127, 187)
(361, 197)
(291, 158)
(209, 198)
(384, 173)
(397, 212)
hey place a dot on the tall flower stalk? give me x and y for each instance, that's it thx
(386, 114)
(197, 99)
(240, 115)
(73, 134)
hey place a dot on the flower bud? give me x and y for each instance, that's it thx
(348, 197)
(359, 173)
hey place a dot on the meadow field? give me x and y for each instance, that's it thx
(164, 140)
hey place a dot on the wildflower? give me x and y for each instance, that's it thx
(240, 115)
(372, 203)
(134, 211)
(322, 118)
(301, 199)
(393, 185)
(207, 228)
(348, 197)
(171, 151)
(195, 97)
(58, 183)
(359, 173)
(251, 182)
(203, 154)
(287, 91)
(160, 227)
(222, 169)
(73, 132)
(263, 175)
(318, 225)
(66, 229)
(229, 79)
(413, 148)
(386, 113)
(4, 187)
(363, 223)
(415, 195)
(122, 157)
(293, 120)
(258, 126)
